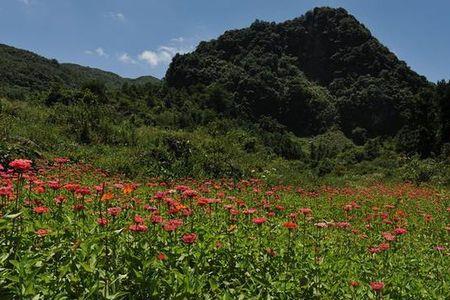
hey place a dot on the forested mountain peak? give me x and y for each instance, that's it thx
(316, 71)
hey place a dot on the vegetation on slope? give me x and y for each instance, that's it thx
(312, 97)
(23, 72)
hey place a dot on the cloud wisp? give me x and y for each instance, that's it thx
(126, 59)
(116, 16)
(27, 2)
(98, 52)
(164, 54)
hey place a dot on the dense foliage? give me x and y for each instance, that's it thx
(319, 70)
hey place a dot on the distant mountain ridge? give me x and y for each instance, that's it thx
(22, 71)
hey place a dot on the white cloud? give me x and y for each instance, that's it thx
(99, 52)
(160, 56)
(26, 2)
(178, 40)
(127, 59)
(117, 16)
(163, 55)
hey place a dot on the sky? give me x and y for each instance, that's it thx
(139, 37)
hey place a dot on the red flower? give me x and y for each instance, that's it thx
(83, 191)
(138, 219)
(173, 225)
(6, 191)
(54, 185)
(114, 211)
(189, 194)
(138, 228)
(400, 231)
(189, 238)
(354, 283)
(161, 256)
(102, 222)
(41, 210)
(234, 212)
(259, 221)
(41, 232)
(71, 187)
(289, 225)
(249, 211)
(377, 285)
(78, 207)
(21, 164)
(384, 246)
(156, 219)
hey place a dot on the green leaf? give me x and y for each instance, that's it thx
(12, 216)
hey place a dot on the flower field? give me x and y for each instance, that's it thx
(69, 231)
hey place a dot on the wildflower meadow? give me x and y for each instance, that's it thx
(70, 231)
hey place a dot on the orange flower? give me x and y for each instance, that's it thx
(128, 189)
(107, 196)
(289, 225)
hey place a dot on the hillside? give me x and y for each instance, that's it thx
(312, 97)
(23, 71)
(305, 71)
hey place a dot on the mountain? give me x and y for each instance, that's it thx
(23, 71)
(323, 73)
(309, 73)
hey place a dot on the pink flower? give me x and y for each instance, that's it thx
(305, 211)
(41, 232)
(321, 225)
(259, 221)
(138, 219)
(377, 286)
(21, 164)
(384, 246)
(342, 225)
(388, 236)
(439, 248)
(374, 250)
(138, 228)
(400, 231)
(114, 211)
(41, 210)
(102, 222)
(156, 219)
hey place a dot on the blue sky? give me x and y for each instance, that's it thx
(139, 37)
